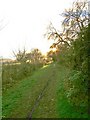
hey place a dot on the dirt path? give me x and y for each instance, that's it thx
(19, 101)
(45, 105)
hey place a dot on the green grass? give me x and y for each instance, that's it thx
(48, 104)
(13, 73)
(18, 100)
(65, 108)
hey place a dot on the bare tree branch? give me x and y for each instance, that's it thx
(75, 20)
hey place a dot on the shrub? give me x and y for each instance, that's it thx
(76, 88)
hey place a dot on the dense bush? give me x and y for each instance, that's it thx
(74, 47)
(76, 85)
(76, 88)
(64, 56)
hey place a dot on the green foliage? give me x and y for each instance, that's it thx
(76, 32)
(19, 100)
(33, 57)
(76, 88)
(66, 108)
(13, 73)
(76, 85)
(63, 55)
(76, 58)
(25, 65)
(73, 54)
(20, 55)
(79, 51)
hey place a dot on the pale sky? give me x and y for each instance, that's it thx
(26, 22)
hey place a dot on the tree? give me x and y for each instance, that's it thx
(73, 43)
(80, 50)
(76, 85)
(35, 56)
(20, 55)
(54, 34)
(74, 20)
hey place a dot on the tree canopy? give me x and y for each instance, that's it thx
(73, 44)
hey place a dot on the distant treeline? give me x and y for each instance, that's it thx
(23, 66)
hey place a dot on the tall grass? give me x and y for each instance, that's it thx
(13, 73)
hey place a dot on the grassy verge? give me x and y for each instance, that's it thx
(13, 73)
(19, 99)
(65, 109)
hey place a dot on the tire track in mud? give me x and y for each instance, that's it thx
(40, 96)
